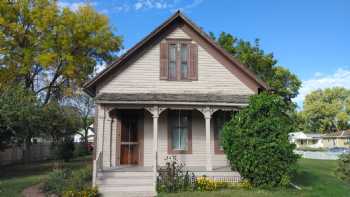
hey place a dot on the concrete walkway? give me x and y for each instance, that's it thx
(33, 191)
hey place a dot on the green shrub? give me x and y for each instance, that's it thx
(80, 179)
(173, 178)
(256, 141)
(64, 149)
(343, 169)
(57, 181)
(81, 149)
(64, 181)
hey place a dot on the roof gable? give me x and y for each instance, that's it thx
(175, 21)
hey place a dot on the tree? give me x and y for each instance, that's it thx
(51, 49)
(20, 118)
(256, 141)
(85, 106)
(327, 110)
(60, 121)
(281, 80)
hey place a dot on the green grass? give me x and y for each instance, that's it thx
(315, 177)
(15, 178)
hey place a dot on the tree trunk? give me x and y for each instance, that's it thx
(27, 151)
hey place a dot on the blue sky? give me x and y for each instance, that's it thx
(310, 37)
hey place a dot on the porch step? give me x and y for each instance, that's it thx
(125, 184)
(129, 194)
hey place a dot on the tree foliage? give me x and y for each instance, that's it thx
(85, 107)
(326, 110)
(256, 141)
(52, 49)
(19, 116)
(343, 169)
(280, 79)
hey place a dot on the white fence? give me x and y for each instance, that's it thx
(13, 155)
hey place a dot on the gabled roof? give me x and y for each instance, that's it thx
(90, 86)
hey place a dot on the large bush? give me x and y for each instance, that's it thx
(343, 170)
(256, 141)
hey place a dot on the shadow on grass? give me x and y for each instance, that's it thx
(304, 178)
(39, 168)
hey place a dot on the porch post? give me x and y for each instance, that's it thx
(155, 111)
(207, 116)
(155, 145)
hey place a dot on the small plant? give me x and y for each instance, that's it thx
(87, 192)
(173, 177)
(203, 183)
(343, 170)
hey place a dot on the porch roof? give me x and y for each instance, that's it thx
(178, 98)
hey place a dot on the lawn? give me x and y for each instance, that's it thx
(315, 177)
(15, 178)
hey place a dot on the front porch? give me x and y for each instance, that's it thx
(187, 130)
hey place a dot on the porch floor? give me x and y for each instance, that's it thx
(135, 168)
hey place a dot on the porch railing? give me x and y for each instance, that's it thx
(97, 167)
(99, 162)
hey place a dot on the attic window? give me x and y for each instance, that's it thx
(178, 60)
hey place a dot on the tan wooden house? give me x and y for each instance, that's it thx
(170, 94)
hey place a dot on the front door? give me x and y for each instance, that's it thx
(129, 149)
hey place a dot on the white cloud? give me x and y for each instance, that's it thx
(73, 5)
(340, 78)
(149, 4)
(122, 8)
(139, 5)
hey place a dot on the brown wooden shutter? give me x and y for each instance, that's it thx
(193, 74)
(163, 61)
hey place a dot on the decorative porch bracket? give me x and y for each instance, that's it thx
(208, 112)
(155, 111)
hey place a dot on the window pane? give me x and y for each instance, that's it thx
(179, 130)
(172, 61)
(184, 139)
(184, 61)
(175, 138)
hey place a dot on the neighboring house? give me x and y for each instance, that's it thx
(337, 139)
(309, 140)
(91, 135)
(170, 94)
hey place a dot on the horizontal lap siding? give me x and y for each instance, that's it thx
(143, 76)
(198, 156)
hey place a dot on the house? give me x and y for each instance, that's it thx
(337, 139)
(170, 94)
(79, 136)
(306, 140)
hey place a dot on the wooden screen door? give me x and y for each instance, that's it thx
(129, 140)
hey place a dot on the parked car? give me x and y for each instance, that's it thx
(340, 150)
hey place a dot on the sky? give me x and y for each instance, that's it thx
(309, 37)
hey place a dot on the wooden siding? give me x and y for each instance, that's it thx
(143, 75)
(198, 156)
